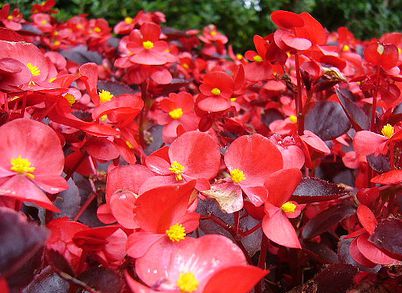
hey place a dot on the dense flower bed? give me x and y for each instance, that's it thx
(162, 161)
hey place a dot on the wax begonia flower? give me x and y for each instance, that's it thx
(217, 89)
(170, 220)
(61, 240)
(178, 110)
(193, 155)
(23, 66)
(107, 244)
(31, 162)
(259, 68)
(279, 208)
(189, 265)
(361, 249)
(122, 190)
(146, 48)
(250, 161)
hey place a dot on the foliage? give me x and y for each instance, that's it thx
(365, 18)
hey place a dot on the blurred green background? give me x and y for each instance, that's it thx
(241, 19)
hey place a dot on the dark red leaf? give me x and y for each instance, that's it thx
(335, 278)
(388, 236)
(359, 119)
(327, 120)
(20, 240)
(315, 189)
(326, 219)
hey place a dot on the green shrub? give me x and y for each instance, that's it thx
(241, 19)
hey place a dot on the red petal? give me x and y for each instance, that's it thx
(279, 230)
(286, 19)
(238, 279)
(391, 177)
(281, 185)
(366, 218)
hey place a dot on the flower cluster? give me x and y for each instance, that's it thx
(160, 160)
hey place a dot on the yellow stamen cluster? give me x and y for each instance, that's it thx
(70, 98)
(128, 20)
(293, 118)
(129, 145)
(148, 45)
(239, 56)
(176, 232)
(288, 207)
(97, 29)
(346, 48)
(213, 33)
(257, 58)
(215, 91)
(177, 169)
(35, 71)
(237, 175)
(105, 96)
(22, 166)
(187, 282)
(176, 113)
(388, 130)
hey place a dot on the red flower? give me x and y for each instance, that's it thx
(146, 48)
(362, 250)
(11, 21)
(260, 68)
(250, 161)
(278, 208)
(122, 190)
(179, 110)
(170, 220)
(23, 66)
(31, 162)
(193, 155)
(216, 89)
(189, 264)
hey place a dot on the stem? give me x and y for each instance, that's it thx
(79, 162)
(299, 97)
(262, 261)
(84, 207)
(373, 112)
(236, 219)
(144, 87)
(251, 231)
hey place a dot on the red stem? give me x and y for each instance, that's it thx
(262, 260)
(373, 112)
(299, 97)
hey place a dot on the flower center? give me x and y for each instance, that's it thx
(22, 166)
(177, 169)
(35, 71)
(187, 282)
(388, 130)
(70, 98)
(237, 175)
(105, 96)
(239, 56)
(293, 118)
(215, 91)
(346, 48)
(288, 207)
(257, 58)
(213, 33)
(128, 20)
(129, 145)
(148, 45)
(176, 232)
(97, 29)
(176, 113)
